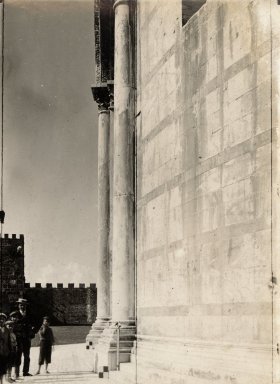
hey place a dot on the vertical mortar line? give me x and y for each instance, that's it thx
(135, 71)
(135, 63)
(221, 86)
(1, 249)
(271, 199)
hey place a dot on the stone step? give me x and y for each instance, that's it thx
(126, 374)
(129, 375)
(63, 378)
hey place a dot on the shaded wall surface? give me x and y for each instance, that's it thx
(204, 199)
(64, 306)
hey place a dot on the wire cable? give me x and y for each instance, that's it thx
(2, 148)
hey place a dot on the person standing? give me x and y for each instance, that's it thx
(5, 346)
(46, 343)
(14, 316)
(12, 356)
(24, 333)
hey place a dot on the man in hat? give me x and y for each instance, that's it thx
(24, 333)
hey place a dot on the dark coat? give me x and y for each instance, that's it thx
(23, 327)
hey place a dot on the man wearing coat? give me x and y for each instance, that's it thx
(24, 331)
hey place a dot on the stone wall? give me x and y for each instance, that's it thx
(12, 254)
(64, 305)
(206, 107)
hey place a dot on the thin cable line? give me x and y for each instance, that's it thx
(2, 111)
(2, 147)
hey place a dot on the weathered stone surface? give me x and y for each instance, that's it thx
(204, 229)
(207, 238)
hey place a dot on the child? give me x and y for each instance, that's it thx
(5, 346)
(12, 356)
(46, 343)
(18, 334)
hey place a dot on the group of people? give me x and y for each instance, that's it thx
(16, 333)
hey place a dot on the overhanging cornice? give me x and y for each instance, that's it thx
(104, 40)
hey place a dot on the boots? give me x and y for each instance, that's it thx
(16, 371)
(9, 376)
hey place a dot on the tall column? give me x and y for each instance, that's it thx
(123, 186)
(101, 96)
(123, 269)
(110, 85)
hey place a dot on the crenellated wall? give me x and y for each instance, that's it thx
(64, 305)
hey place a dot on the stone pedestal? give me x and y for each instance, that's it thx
(106, 348)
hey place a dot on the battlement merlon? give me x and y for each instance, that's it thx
(60, 286)
(12, 236)
(12, 244)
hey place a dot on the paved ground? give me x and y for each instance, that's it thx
(70, 364)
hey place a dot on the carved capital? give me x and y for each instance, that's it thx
(110, 86)
(119, 2)
(101, 97)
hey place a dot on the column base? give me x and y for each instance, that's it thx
(106, 349)
(96, 331)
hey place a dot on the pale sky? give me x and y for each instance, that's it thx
(50, 137)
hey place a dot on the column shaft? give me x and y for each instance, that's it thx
(123, 187)
(101, 96)
(123, 270)
(111, 108)
(103, 265)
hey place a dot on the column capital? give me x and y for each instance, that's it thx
(110, 86)
(119, 2)
(101, 96)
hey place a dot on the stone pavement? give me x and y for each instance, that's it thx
(70, 364)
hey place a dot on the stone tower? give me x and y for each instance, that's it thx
(12, 269)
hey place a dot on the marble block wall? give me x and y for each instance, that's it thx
(207, 113)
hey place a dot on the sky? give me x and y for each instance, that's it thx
(50, 137)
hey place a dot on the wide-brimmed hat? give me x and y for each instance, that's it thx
(3, 315)
(14, 314)
(22, 301)
(9, 322)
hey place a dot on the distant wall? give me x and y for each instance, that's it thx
(64, 305)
